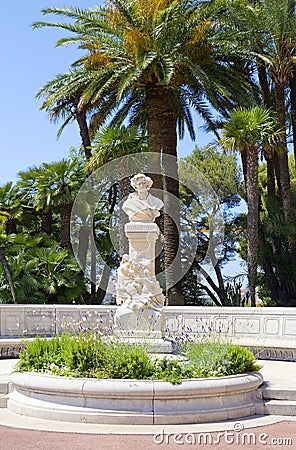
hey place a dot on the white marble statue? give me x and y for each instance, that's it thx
(138, 292)
(137, 286)
(141, 206)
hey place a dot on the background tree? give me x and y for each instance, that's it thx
(250, 131)
(112, 142)
(206, 284)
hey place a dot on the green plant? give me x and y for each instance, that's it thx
(40, 354)
(90, 355)
(82, 354)
(129, 361)
(242, 360)
(219, 359)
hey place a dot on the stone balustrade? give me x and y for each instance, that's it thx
(270, 332)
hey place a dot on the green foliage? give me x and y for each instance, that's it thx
(41, 271)
(88, 355)
(129, 361)
(250, 127)
(221, 170)
(112, 142)
(40, 355)
(169, 371)
(82, 353)
(216, 359)
(234, 295)
(242, 360)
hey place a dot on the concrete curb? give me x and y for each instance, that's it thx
(135, 402)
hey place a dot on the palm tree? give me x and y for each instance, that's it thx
(40, 271)
(37, 196)
(50, 186)
(250, 131)
(63, 179)
(135, 53)
(6, 268)
(112, 142)
(10, 208)
(64, 102)
(16, 270)
(276, 49)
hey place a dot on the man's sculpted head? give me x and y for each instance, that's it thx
(141, 205)
(141, 182)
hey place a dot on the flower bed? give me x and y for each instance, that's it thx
(91, 355)
(84, 378)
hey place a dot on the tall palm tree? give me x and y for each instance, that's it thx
(64, 102)
(135, 53)
(250, 131)
(277, 51)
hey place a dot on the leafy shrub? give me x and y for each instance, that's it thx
(88, 355)
(127, 361)
(242, 360)
(83, 353)
(40, 354)
(215, 359)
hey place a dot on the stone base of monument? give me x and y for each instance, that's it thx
(135, 402)
(143, 326)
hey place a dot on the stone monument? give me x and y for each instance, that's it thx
(138, 292)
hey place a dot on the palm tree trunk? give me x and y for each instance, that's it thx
(285, 191)
(263, 83)
(7, 271)
(172, 250)
(271, 279)
(103, 285)
(46, 222)
(293, 109)
(270, 175)
(154, 100)
(264, 87)
(86, 142)
(83, 247)
(65, 218)
(84, 131)
(10, 226)
(253, 217)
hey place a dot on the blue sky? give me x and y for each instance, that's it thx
(29, 60)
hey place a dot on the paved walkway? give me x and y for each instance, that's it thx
(20, 433)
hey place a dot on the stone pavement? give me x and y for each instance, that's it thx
(20, 433)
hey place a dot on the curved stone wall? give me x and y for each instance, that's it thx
(135, 402)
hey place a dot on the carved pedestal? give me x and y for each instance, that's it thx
(138, 292)
(142, 237)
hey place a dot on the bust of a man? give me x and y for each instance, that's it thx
(141, 206)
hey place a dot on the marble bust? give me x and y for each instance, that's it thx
(141, 206)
